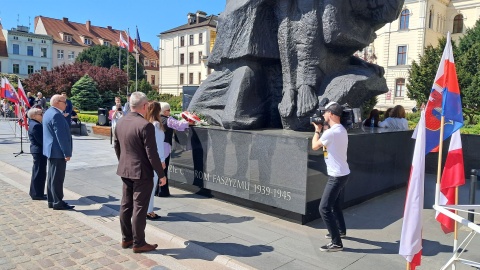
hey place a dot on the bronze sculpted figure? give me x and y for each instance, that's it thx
(274, 60)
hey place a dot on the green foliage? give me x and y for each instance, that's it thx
(467, 62)
(107, 56)
(12, 78)
(85, 95)
(174, 101)
(87, 118)
(108, 99)
(368, 106)
(143, 86)
(422, 74)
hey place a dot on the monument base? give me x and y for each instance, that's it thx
(277, 172)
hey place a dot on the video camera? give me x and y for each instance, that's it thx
(351, 117)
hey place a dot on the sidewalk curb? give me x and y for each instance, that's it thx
(109, 212)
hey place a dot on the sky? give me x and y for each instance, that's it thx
(151, 16)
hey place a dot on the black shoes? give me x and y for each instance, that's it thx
(43, 198)
(64, 206)
(331, 247)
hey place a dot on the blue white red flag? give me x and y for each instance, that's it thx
(453, 176)
(411, 238)
(9, 92)
(444, 100)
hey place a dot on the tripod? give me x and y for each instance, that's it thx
(20, 121)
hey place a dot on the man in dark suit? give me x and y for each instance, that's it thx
(39, 169)
(137, 155)
(68, 110)
(57, 147)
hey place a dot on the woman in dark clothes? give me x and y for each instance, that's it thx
(39, 169)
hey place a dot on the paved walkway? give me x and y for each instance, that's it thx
(200, 233)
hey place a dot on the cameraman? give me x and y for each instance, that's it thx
(335, 143)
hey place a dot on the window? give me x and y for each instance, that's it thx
(152, 78)
(30, 40)
(16, 68)
(190, 78)
(200, 56)
(458, 24)
(30, 50)
(16, 49)
(153, 63)
(191, 58)
(146, 62)
(200, 38)
(71, 55)
(430, 20)
(404, 19)
(30, 69)
(181, 78)
(106, 43)
(43, 52)
(60, 54)
(87, 41)
(182, 59)
(402, 55)
(0, 66)
(191, 40)
(67, 38)
(43, 68)
(182, 41)
(399, 87)
(199, 77)
(44, 41)
(15, 37)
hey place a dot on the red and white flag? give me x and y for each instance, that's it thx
(453, 176)
(130, 44)
(122, 43)
(22, 95)
(411, 238)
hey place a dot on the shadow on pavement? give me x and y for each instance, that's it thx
(430, 248)
(199, 217)
(228, 249)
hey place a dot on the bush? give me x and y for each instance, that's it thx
(86, 118)
(174, 101)
(85, 95)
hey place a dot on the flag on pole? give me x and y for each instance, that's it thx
(2, 88)
(9, 91)
(411, 238)
(444, 100)
(122, 43)
(22, 95)
(130, 44)
(138, 41)
(453, 176)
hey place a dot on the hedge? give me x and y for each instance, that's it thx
(85, 118)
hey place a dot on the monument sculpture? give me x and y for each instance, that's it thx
(274, 60)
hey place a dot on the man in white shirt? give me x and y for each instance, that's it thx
(334, 142)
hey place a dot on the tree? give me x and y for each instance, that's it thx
(143, 86)
(108, 99)
(422, 74)
(62, 78)
(468, 70)
(107, 56)
(85, 95)
(368, 106)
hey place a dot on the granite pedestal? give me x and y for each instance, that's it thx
(276, 170)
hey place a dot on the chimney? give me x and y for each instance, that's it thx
(191, 18)
(65, 19)
(88, 25)
(201, 16)
(109, 27)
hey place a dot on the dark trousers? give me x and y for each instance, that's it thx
(164, 191)
(55, 179)
(331, 207)
(133, 211)
(39, 175)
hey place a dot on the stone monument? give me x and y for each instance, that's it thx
(274, 60)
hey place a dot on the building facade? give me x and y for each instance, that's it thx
(183, 53)
(421, 23)
(150, 61)
(26, 52)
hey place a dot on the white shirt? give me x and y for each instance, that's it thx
(159, 138)
(393, 122)
(335, 140)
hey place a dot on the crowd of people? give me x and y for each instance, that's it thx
(393, 118)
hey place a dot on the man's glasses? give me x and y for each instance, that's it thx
(64, 101)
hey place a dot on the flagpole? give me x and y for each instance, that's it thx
(119, 63)
(128, 57)
(439, 168)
